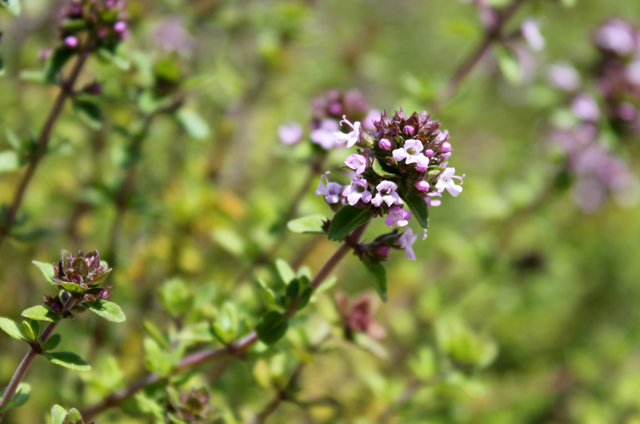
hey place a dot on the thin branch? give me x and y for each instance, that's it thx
(282, 395)
(66, 91)
(235, 349)
(24, 366)
(495, 22)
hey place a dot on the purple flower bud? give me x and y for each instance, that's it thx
(421, 168)
(428, 153)
(445, 148)
(71, 42)
(409, 130)
(120, 27)
(445, 156)
(95, 88)
(385, 144)
(102, 32)
(335, 108)
(382, 251)
(422, 185)
(110, 3)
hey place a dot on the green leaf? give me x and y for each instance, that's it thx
(58, 414)
(12, 328)
(27, 331)
(285, 271)
(304, 298)
(418, 207)
(56, 62)
(74, 417)
(47, 271)
(193, 123)
(107, 310)
(308, 225)
(89, 112)
(52, 343)
(379, 169)
(156, 334)
(116, 57)
(225, 325)
(12, 5)
(157, 359)
(100, 279)
(175, 297)
(508, 63)
(379, 281)
(72, 287)
(40, 313)
(568, 3)
(68, 360)
(272, 327)
(347, 219)
(20, 397)
(10, 161)
(35, 327)
(293, 289)
(269, 295)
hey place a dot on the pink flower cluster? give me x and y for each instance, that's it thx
(402, 157)
(103, 22)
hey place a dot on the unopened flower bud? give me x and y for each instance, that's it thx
(382, 250)
(385, 144)
(71, 42)
(445, 148)
(428, 153)
(422, 185)
(409, 130)
(335, 108)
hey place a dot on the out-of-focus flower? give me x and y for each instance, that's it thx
(290, 133)
(324, 135)
(531, 33)
(170, 34)
(564, 76)
(357, 316)
(616, 35)
(368, 123)
(585, 107)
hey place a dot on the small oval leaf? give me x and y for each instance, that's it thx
(347, 219)
(68, 360)
(107, 310)
(272, 327)
(308, 225)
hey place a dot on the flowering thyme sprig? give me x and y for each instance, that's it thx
(403, 160)
(102, 21)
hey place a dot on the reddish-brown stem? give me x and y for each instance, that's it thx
(66, 91)
(22, 369)
(235, 349)
(495, 23)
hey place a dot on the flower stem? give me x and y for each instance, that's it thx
(66, 91)
(22, 369)
(235, 349)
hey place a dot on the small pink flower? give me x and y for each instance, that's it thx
(357, 163)
(71, 41)
(324, 136)
(387, 194)
(433, 202)
(407, 239)
(397, 216)
(357, 190)
(446, 182)
(411, 152)
(353, 137)
(330, 191)
(368, 121)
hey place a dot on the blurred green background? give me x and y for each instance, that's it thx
(546, 293)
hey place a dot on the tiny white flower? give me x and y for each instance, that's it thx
(358, 190)
(446, 182)
(387, 194)
(411, 152)
(357, 162)
(352, 138)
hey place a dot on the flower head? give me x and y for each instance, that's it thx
(290, 133)
(324, 134)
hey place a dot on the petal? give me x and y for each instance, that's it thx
(366, 196)
(409, 252)
(399, 154)
(341, 137)
(389, 220)
(353, 198)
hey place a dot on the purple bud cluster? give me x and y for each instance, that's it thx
(93, 24)
(402, 157)
(327, 112)
(80, 276)
(191, 408)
